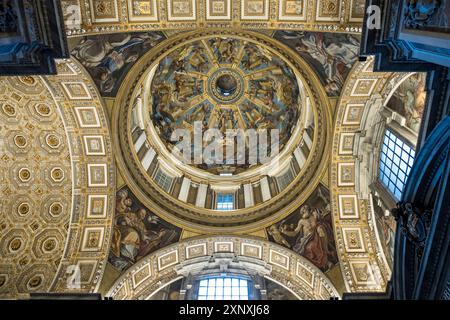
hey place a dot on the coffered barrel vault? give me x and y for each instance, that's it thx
(96, 195)
(36, 192)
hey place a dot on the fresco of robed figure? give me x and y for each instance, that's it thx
(137, 231)
(308, 231)
(408, 100)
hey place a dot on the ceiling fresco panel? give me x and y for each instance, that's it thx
(108, 58)
(308, 231)
(137, 231)
(331, 55)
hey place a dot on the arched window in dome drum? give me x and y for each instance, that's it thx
(285, 179)
(225, 202)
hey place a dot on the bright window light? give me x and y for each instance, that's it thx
(225, 201)
(396, 160)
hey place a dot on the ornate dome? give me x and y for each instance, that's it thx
(227, 84)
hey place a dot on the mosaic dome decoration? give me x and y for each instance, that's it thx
(227, 84)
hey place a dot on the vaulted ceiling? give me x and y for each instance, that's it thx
(89, 183)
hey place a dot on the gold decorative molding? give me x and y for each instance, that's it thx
(85, 17)
(284, 266)
(87, 127)
(36, 186)
(364, 267)
(59, 202)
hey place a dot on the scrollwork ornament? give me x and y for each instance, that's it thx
(420, 12)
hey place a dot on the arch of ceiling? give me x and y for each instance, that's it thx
(377, 115)
(273, 261)
(83, 17)
(59, 195)
(87, 127)
(361, 255)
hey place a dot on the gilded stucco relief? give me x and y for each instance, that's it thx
(361, 249)
(99, 16)
(298, 275)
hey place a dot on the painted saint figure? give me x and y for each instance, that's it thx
(311, 236)
(308, 231)
(137, 232)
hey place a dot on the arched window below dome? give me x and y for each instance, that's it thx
(223, 288)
